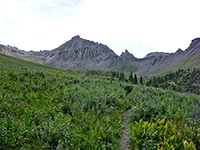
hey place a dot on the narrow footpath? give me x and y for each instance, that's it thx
(124, 141)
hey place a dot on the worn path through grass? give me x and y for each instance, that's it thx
(124, 141)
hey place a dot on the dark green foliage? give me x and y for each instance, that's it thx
(181, 80)
(141, 80)
(128, 89)
(111, 78)
(131, 77)
(135, 80)
(105, 73)
(121, 76)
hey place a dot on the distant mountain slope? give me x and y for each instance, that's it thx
(158, 62)
(80, 53)
(77, 53)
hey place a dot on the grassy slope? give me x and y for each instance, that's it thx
(47, 108)
(50, 108)
(184, 64)
(129, 67)
(188, 63)
(9, 61)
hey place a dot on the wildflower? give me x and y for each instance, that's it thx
(54, 107)
(99, 137)
(13, 117)
(3, 120)
(93, 131)
(49, 108)
(103, 124)
(197, 115)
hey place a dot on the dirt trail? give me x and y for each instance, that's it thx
(124, 141)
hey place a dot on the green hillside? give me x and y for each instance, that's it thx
(188, 63)
(47, 108)
(184, 80)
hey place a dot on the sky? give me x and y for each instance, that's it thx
(140, 26)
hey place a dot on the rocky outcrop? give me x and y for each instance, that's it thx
(126, 55)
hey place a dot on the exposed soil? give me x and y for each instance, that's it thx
(124, 141)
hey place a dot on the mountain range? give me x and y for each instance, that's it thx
(79, 53)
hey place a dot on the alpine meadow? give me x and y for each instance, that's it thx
(42, 107)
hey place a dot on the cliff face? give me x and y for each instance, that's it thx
(79, 53)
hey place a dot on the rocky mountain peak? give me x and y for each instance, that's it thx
(79, 53)
(127, 55)
(76, 37)
(195, 42)
(179, 51)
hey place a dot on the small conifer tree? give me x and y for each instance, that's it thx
(131, 77)
(141, 80)
(135, 81)
(111, 78)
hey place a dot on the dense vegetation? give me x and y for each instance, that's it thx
(164, 119)
(184, 80)
(47, 108)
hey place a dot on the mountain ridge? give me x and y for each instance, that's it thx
(79, 53)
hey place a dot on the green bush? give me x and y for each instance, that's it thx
(161, 134)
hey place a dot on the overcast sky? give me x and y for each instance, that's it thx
(141, 26)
